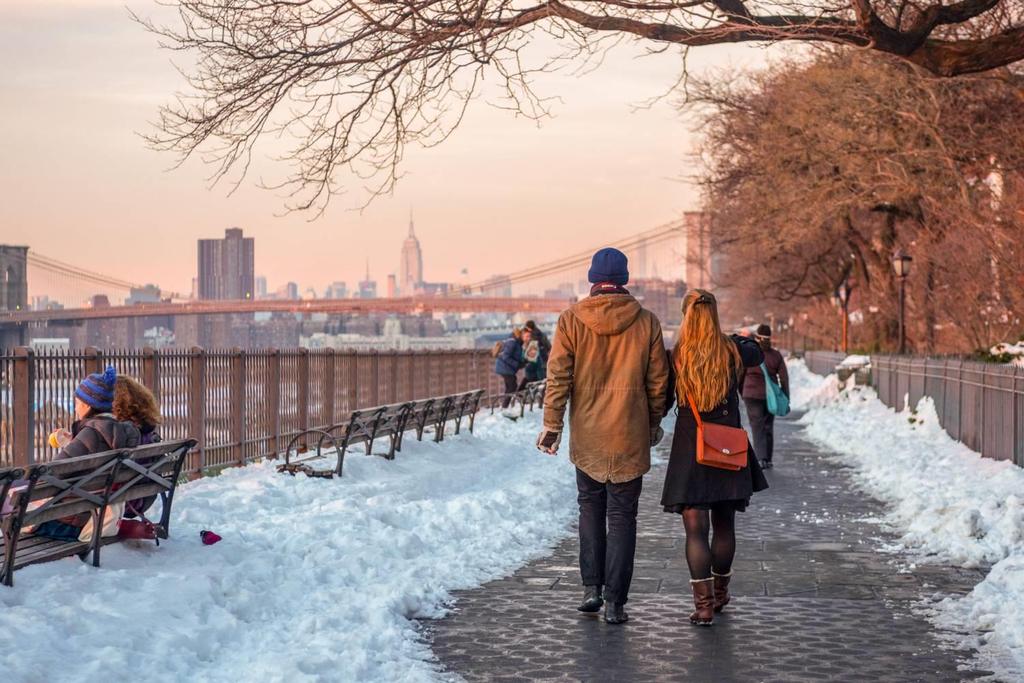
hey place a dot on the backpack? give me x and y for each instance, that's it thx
(496, 349)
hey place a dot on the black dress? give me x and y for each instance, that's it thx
(690, 485)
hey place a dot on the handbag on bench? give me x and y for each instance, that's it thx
(718, 445)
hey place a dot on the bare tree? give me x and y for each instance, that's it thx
(818, 171)
(356, 81)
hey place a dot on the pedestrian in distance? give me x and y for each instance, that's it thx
(708, 368)
(543, 343)
(508, 360)
(608, 367)
(755, 395)
(533, 370)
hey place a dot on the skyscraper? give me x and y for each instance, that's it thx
(227, 266)
(410, 271)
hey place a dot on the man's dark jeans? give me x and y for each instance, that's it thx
(762, 426)
(608, 534)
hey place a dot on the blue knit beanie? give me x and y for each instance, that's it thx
(609, 265)
(97, 390)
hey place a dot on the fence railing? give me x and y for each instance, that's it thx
(823, 362)
(238, 404)
(978, 404)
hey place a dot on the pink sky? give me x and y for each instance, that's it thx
(79, 185)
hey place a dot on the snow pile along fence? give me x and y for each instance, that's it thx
(978, 404)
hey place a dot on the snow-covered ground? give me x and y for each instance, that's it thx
(315, 580)
(946, 503)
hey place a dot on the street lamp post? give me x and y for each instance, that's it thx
(901, 265)
(841, 300)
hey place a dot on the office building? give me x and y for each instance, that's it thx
(227, 267)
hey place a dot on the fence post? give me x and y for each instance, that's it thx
(303, 393)
(329, 364)
(981, 416)
(374, 377)
(197, 402)
(151, 370)
(959, 400)
(237, 403)
(1018, 428)
(23, 395)
(274, 399)
(352, 390)
(93, 360)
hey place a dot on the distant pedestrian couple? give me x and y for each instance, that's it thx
(526, 349)
(609, 367)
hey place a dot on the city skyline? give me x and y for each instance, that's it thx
(104, 198)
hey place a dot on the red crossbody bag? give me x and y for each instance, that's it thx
(718, 445)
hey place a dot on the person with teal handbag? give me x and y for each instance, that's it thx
(766, 394)
(777, 400)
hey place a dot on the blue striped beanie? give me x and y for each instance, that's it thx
(97, 390)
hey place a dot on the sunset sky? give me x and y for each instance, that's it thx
(80, 81)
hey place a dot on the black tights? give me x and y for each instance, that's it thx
(701, 556)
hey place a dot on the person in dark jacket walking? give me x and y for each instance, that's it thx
(755, 397)
(708, 369)
(507, 364)
(94, 431)
(608, 367)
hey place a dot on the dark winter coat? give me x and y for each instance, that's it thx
(689, 484)
(753, 379)
(511, 357)
(102, 432)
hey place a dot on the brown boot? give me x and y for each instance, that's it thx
(721, 589)
(704, 600)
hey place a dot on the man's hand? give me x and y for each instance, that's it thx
(657, 434)
(549, 441)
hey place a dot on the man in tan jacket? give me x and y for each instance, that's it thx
(609, 365)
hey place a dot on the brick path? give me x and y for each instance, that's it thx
(813, 600)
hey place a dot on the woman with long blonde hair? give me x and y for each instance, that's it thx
(708, 370)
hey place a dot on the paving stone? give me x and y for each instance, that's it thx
(814, 600)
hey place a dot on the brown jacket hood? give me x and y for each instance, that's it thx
(607, 314)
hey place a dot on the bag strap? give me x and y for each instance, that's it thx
(696, 413)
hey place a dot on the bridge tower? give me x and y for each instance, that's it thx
(13, 291)
(13, 278)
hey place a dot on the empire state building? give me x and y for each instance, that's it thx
(410, 271)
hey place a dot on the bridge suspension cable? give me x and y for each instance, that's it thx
(663, 233)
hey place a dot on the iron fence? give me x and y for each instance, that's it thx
(978, 404)
(823, 362)
(238, 404)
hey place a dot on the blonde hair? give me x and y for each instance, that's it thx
(705, 359)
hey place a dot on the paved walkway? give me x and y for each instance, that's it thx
(813, 600)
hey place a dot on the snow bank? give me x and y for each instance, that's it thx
(315, 580)
(946, 502)
(804, 385)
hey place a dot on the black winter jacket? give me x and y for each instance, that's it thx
(100, 433)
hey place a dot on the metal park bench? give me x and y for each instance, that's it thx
(528, 397)
(87, 484)
(392, 422)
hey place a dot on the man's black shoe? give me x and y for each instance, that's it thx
(592, 600)
(766, 464)
(615, 614)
